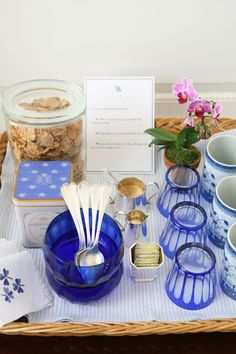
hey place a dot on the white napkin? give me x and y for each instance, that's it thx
(7, 248)
(21, 289)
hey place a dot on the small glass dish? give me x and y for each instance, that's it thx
(186, 223)
(191, 282)
(60, 246)
(182, 184)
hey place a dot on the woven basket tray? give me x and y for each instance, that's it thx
(122, 329)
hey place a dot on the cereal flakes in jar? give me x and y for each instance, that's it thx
(44, 121)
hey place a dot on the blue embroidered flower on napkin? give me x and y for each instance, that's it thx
(4, 276)
(21, 288)
(11, 286)
(18, 286)
(8, 294)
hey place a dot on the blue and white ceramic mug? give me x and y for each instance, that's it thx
(223, 212)
(220, 161)
(228, 271)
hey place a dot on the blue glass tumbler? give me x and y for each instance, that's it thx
(65, 277)
(191, 282)
(181, 184)
(186, 223)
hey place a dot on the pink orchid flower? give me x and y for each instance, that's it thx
(184, 91)
(217, 109)
(189, 122)
(199, 108)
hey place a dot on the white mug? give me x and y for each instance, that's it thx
(223, 212)
(220, 161)
(228, 271)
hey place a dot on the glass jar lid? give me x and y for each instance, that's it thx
(20, 100)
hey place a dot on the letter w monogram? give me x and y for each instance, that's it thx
(119, 88)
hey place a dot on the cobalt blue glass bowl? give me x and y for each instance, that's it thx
(181, 184)
(191, 282)
(186, 223)
(60, 246)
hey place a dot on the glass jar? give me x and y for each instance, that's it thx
(44, 120)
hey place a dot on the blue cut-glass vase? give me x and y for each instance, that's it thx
(191, 283)
(186, 223)
(181, 184)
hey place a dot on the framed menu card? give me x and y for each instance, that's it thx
(119, 109)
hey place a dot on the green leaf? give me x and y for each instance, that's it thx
(187, 137)
(181, 138)
(161, 135)
(163, 143)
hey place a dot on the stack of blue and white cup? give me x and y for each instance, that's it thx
(218, 186)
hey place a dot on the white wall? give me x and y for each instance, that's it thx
(70, 39)
(169, 39)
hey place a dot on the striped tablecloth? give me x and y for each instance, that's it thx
(129, 301)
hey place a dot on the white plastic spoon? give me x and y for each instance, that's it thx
(83, 193)
(104, 198)
(72, 187)
(93, 257)
(75, 213)
(94, 199)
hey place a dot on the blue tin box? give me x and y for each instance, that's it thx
(37, 197)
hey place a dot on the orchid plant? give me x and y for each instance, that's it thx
(201, 116)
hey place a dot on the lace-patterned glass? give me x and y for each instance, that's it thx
(186, 223)
(182, 184)
(191, 282)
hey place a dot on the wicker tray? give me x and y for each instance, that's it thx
(122, 329)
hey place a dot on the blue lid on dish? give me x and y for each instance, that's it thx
(41, 180)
